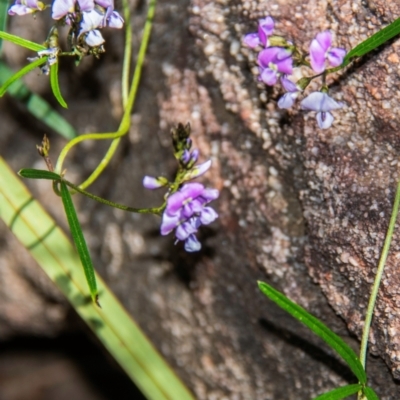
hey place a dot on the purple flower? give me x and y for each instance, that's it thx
(288, 99)
(322, 104)
(273, 62)
(321, 50)
(61, 8)
(149, 182)
(23, 7)
(186, 211)
(265, 29)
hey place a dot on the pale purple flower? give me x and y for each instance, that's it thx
(186, 211)
(61, 8)
(292, 92)
(23, 7)
(273, 62)
(197, 171)
(322, 104)
(265, 29)
(94, 38)
(150, 182)
(321, 50)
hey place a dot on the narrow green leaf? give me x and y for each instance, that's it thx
(373, 41)
(21, 42)
(79, 240)
(112, 324)
(36, 105)
(370, 393)
(340, 393)
(3, 18)
(55, 86)
(318, 328)
(38, 174)
(29, 67)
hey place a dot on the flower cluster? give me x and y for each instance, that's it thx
(277, 58)
(85, 19)
(186, 206)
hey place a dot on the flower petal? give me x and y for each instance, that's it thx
(287, 100)
(335, 56)
(94, 38)
(267, 56)
(265, 29)
(313, 101)
(150, 182)
(251, 40)
(61, 8)
(192, 244)
(317, 57)
(286, 65)
(269, 76)
(169, 223)
(208, 215)
(115, 21)
(324, 119)
(197, 171)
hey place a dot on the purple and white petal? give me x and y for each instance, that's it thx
(61, 8)
(115, 20)
(86, 5)
(208, 215)
(317, 57)
(94, 38)
(184, 230)
(197, 171)
(265, 29)
(150, 182)
(287, 100)
(267, 56)
(186, 193)
(269, 76)
(252, 40)
(324, 119)
(335, 56)
(209, 194)
(91, 20)
(192, 244)
(285, 65)
(313, 101)
(169, 223)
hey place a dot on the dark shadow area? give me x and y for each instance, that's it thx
(315, 352)
(71, 365)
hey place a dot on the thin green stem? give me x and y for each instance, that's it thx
(154, 210)
(378, 277)
(125, 122)
(127, 53)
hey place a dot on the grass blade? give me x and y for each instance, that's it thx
(3, 18)
(38, 174)
(21, 42)
(36, 105)
(318, 328)
(79, 240)
(37, 231)
(23, 71)
(340, 393)
(374, 41)
(55, 86)
(370, 393)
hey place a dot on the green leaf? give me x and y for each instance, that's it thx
(340, 393)
(374, 41)
(79, 240)
(38, 174)
(112, 324)
(370, 393)
(21, 42)
(31, 66)
(36, 105)
(3, 18)
(318, 328)
(54, 85)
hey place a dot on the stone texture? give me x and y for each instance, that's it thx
(301, 208)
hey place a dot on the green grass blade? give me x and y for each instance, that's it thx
(374, 41)
(79, 240)
(318, 328)
(55, 86)
(38, 174)
(37, 231)
(3, 18)
(340, 393)
(21, 42)
(36, 105)
(23, 71)
(370, 393)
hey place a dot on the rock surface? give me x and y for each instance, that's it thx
(303, 209)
